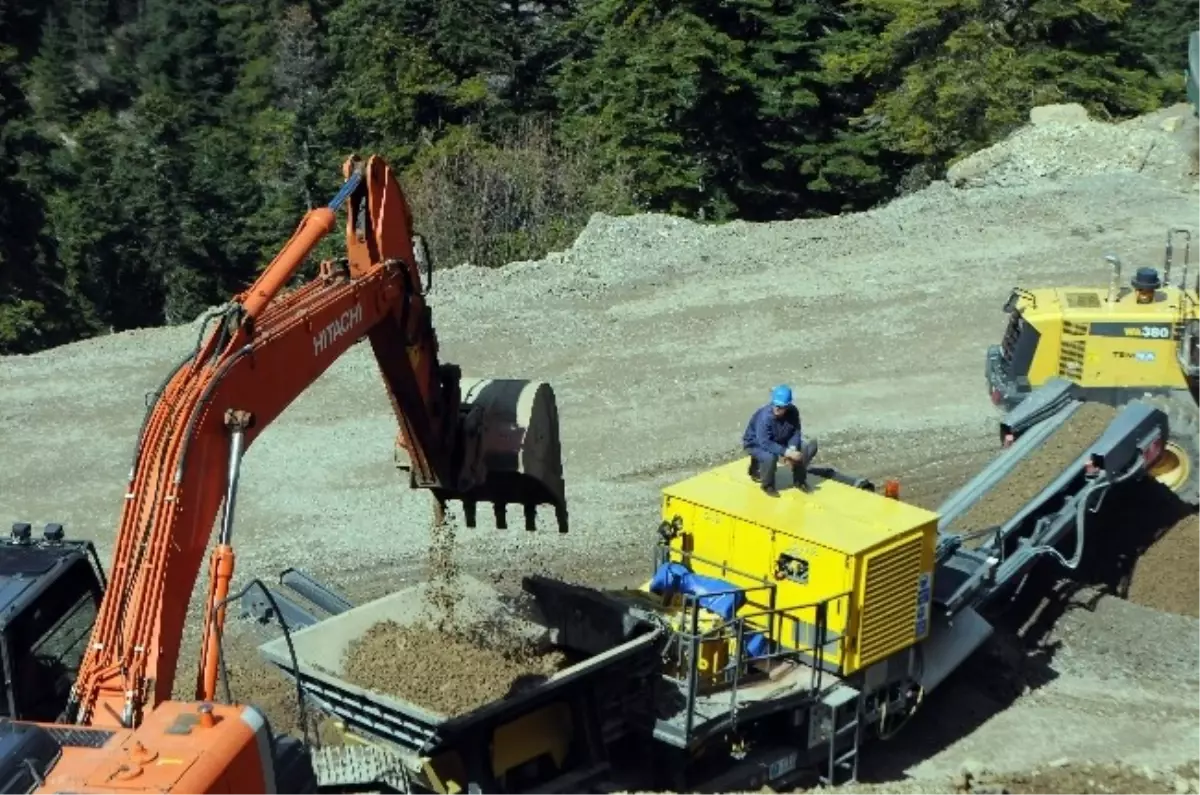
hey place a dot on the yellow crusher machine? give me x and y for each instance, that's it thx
(1130, 340)
(772, 639)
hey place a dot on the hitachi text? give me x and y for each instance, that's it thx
(341, 325)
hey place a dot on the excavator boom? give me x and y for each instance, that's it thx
(499, 445)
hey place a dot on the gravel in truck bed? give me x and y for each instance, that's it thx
(450, 662)
(448, 672)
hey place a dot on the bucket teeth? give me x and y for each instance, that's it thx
(470, 514)
(506, 452)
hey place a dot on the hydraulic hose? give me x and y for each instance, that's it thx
(1081, 513)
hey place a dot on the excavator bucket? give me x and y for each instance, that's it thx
(509, 451)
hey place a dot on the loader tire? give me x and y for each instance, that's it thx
(1179, 467)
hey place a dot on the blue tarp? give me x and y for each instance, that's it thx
(672, 578)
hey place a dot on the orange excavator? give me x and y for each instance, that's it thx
(490, 440)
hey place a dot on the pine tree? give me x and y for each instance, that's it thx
(53, 79)
(96, 211)
(721, 109)
(643, 94)
(778, 134)
(956, 75)
(1157, 31)
(183, 60)
(33, 303)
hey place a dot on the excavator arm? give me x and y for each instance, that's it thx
(500, 445)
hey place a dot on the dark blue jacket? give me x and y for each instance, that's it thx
(772, 434)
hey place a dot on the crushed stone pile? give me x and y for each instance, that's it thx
(610, 253)
(449, 661)
(1144, 546)
(1067, 143)
(1166, 576)
(446, 662)
(254, 681)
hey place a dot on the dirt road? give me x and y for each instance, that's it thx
(660, 337)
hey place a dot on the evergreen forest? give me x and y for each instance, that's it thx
(155, 154)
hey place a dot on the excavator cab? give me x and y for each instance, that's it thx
(50, 592)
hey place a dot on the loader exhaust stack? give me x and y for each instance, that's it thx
(1169, 255)
(1114, 287)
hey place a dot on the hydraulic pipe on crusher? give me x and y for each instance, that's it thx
(221, 567)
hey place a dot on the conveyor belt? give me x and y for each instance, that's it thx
(971, 576)
(1001, 467)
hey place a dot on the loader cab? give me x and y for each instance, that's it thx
(50, 592)
(1110, 348)
(1138, 335)
(1134, 340)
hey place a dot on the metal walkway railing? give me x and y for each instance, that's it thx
(807, 625)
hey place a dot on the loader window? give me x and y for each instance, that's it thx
(47, 642)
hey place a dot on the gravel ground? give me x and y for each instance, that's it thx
(660, 336)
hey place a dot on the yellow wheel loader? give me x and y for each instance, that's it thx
(1130, 341)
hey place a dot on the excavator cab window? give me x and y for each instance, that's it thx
(45, 641)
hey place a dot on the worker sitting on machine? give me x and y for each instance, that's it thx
(773, 435)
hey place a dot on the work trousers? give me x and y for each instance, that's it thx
(764, 465)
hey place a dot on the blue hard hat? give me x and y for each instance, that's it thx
(781, 395)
